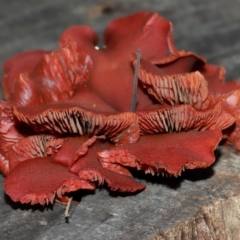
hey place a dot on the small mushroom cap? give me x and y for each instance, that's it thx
(40, 180)
(169, 153)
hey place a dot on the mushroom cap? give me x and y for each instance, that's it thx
(67, 123)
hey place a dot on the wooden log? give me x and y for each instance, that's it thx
(201, 204)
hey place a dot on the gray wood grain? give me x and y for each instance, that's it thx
(210, 28)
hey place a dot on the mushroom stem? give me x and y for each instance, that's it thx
(66, 213)
(135, 82)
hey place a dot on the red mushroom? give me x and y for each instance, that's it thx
(67, 122)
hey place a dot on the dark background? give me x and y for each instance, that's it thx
(210, 28)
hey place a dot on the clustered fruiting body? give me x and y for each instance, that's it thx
(66, 123)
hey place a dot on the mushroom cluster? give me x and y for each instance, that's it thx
(81, 116)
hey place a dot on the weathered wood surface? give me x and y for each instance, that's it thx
(202, 204)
